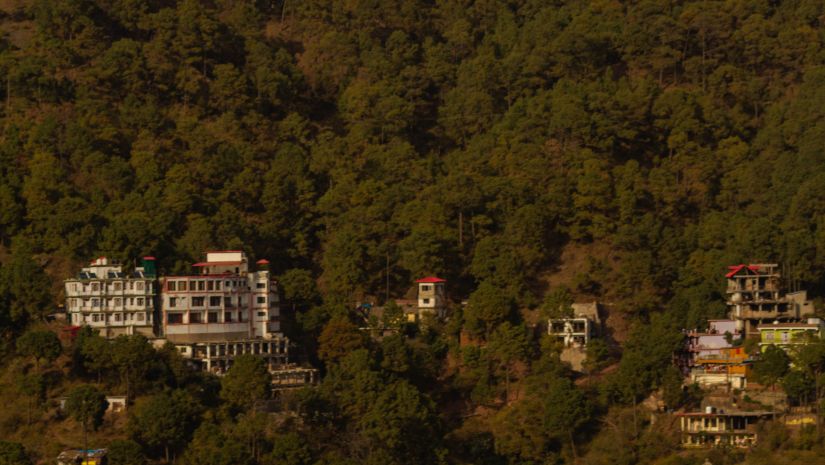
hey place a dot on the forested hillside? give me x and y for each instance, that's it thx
(361, 144)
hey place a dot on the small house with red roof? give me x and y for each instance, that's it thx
(432, 297)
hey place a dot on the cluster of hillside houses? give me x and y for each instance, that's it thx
(227, 309)
(715, 358)
(223, 309)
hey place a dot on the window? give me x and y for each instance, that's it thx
(197, 301)
(117, 316)
(228, 283)
(140, 316)
(785, 337)
(227, 317)
(215, 301)
(94, 318)
(262, 314)
(139, 285)
(131, 300)
(170, 285)
(173, 302)
(196, 317)
(140, 301)
(118, 286)
(95, 303)
(426, 301)
(118, 301)
(227, 301)
(260, 285)
(240, 317)
(769, 336)
(261, 300)
(210, 285)
(174, 318)
(213, 317)
(201, 286)
(95, 287)
(426, 288)
(217, 285)
(181, 285)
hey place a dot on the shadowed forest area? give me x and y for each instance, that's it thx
(531, 152)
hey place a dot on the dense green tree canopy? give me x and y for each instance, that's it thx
(247, 382)
(40, 345)
(527, 151)
(12, 453)
(86, 404)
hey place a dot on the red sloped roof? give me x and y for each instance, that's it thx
(735, 269)
(148, 257)
(431, 279)
(262, 261)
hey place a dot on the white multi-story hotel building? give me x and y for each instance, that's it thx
(224, 311)
(104, 297)
(212, 316)
(225, 302)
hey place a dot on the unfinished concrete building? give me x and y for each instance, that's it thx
(577, 329)
(574, 332)
(755, 295)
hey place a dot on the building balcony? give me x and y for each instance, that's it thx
(764, 314)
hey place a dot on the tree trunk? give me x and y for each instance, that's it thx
(506, 384)
(817, 400)
(387, 272)
(460, 229)
(573, 447)
(85, 443)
